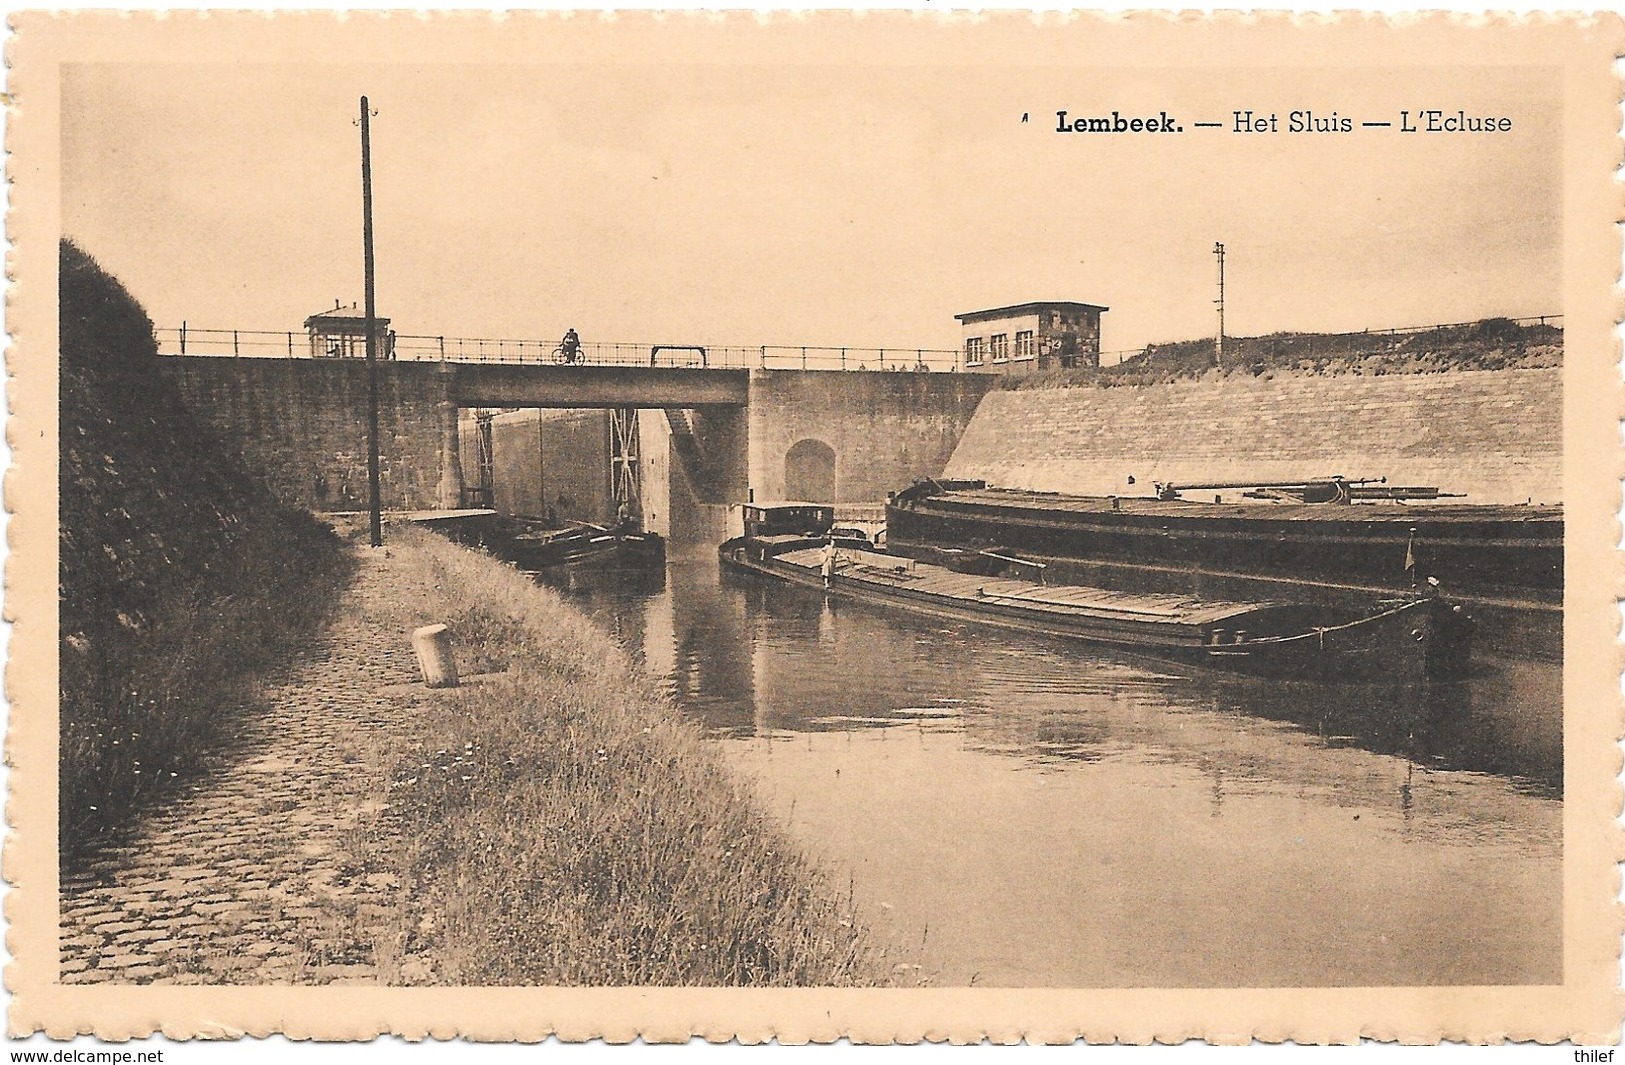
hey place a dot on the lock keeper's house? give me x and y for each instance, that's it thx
(1028, 337)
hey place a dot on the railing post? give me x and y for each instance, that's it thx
(442, 348)
(290, 343)
(234, 351)
(183, 338)
(764, 356)
(803, 356)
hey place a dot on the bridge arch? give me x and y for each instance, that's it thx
(809, 471)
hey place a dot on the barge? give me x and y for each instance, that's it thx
(533, 545)
(1401, 638)
(1504, 563)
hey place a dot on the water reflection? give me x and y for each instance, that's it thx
(1061, 815)
(746, 656)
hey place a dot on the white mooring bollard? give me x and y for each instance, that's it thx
(433, 646)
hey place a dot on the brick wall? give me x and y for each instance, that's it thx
(302, 425)
(887, 429)
(1495, 435)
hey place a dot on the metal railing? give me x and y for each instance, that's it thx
(294, 344)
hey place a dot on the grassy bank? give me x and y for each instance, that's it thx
(1491, 344)
(560, 823)
(181, 577)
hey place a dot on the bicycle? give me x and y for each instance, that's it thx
(568, 357)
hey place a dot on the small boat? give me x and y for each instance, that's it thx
(1404, 638)
(534, 545)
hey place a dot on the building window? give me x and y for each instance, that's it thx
(973, 351)
(1024, 344)
(1000, 346)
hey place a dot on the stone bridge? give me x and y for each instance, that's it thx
(836, 436)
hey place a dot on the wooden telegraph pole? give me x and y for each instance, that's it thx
(372, 330)
(1218, 341)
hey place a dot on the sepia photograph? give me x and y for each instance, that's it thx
(1022, 527)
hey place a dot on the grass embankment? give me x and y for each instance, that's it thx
(181, 577)
(563, 824)
(1491, 344)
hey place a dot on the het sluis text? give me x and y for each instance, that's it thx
(1424, 121)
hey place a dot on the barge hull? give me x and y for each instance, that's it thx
(1506, 553)
(1410, 641)
(1503, 563)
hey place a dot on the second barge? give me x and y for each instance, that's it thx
(1504, 563)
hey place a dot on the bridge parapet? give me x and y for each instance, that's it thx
(514, 385)
(292, 344)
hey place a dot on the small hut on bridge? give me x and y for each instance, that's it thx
(341, 333)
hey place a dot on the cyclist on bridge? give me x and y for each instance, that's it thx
(570, 346)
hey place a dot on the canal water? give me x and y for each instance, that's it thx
(1008, 810)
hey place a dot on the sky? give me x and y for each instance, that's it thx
(666, 199)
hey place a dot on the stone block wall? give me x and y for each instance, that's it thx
(700, 487)
(545, 459)
(659, 495)
(887, 429)
(301, 424)
(1494, 435)
(516, 464)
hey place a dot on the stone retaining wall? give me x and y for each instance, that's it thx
(1494, 435)
(301, 424)
(886, 429)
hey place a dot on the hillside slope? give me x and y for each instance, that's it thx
(179, 573)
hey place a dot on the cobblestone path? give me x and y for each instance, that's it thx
(253, 875)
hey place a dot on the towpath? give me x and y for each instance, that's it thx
(259, 873)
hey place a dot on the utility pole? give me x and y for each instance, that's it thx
(1218, 341)
(372, 330)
